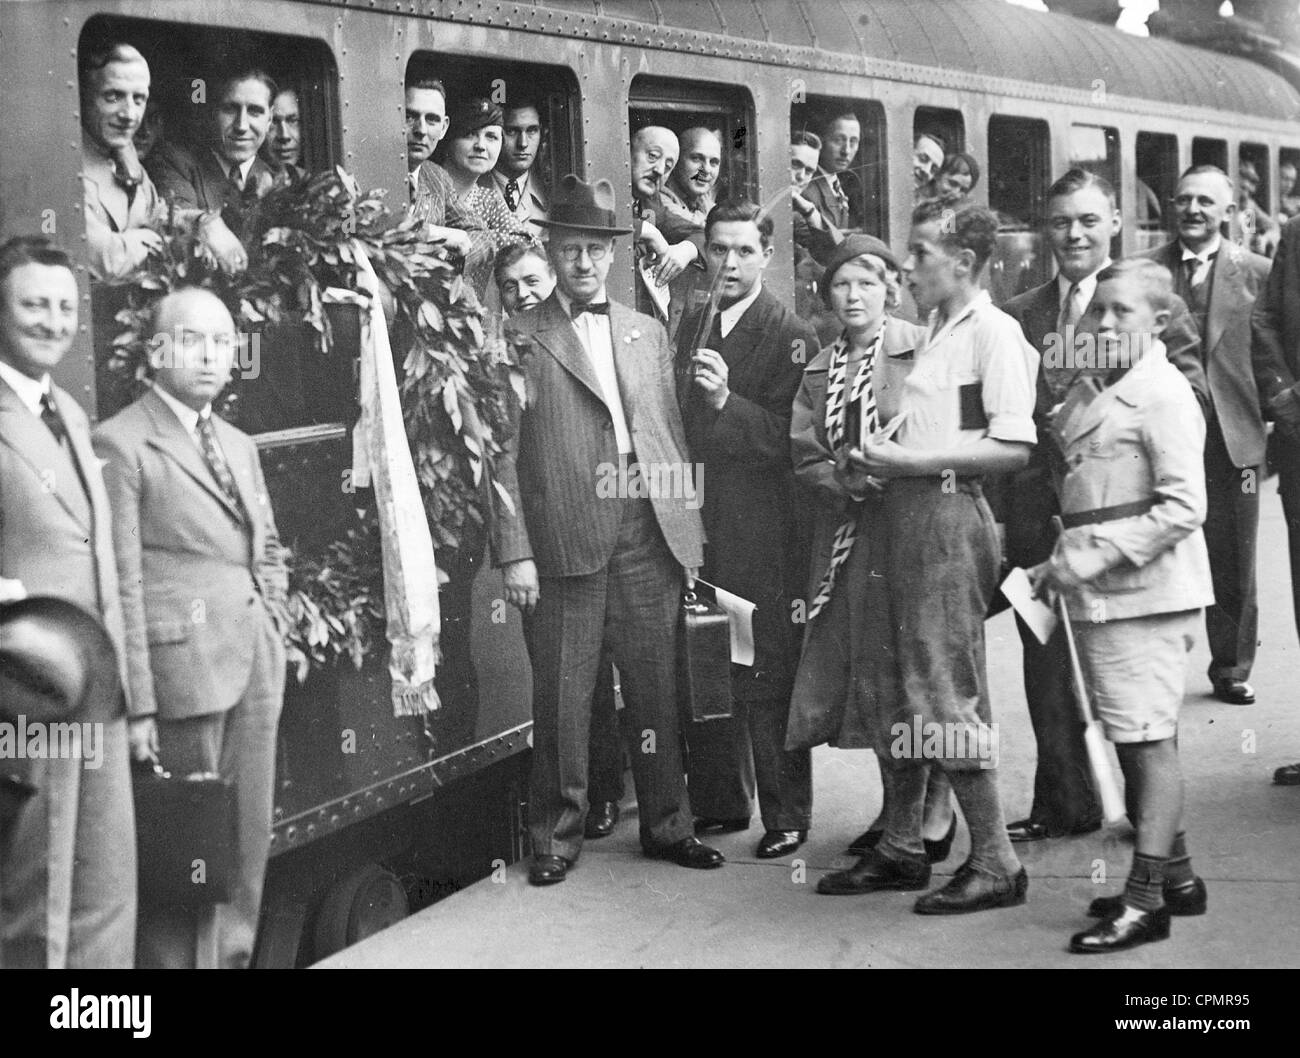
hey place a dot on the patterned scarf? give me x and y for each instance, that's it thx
(836, 409)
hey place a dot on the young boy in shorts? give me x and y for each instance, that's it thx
(1132, 565)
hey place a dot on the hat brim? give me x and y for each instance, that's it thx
(83, 632)
(582, 227)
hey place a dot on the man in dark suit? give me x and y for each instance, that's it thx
(835, 190)
(227, 176)
(1275, 355)
(68, 891)
(1219, 281)
(200, 568)
(593, 558)
(737, 395)
(1082, 218)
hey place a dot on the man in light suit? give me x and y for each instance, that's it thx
(1220, 280)
(67, 866)
(595, 560)
(200, 567)
(1082, 218)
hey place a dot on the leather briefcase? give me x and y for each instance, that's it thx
(704, 658)
(185, 831)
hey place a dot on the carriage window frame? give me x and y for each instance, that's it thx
(1021, 243)
(1162, 177)
(872, 159)
(1208, 150)
(947, 122)
(1111, 167)
(1262, 157)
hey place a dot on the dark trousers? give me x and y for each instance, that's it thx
(1231, 531)
(1285, 453)
(726, 759)
(1064, 796)
(605, 762)
(631, 608)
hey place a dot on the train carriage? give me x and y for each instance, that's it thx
(373, 810)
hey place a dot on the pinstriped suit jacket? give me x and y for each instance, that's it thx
(553, 465)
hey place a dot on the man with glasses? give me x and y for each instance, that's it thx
(596, 556)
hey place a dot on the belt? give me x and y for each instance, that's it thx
(1107, 514)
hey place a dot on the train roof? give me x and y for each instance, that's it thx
(982, 38)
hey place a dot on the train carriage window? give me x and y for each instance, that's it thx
(937, 134)
(1096, 149)
(713, 128)
(1253, 171)
(1206, 151)
(1288, 183)
(1157, 178)
(277, 385)
(1019, 156)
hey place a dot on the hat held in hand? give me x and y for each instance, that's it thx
(56, 663)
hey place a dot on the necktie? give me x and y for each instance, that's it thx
(598, 308)
(124, 178)
(1197, 269)
(236, 181)
(1071, 309)
(216, 460)
(841, 199)
(53, 420)
(847, 532)
(512, 194)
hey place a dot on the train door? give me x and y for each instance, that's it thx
(1019, 156)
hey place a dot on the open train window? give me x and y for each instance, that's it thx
(936, 135)
(1253, 168)
(1156, 159)
(710, 122)
(1288, 182)
(1096, 148)
(1206, 151)
(278, 386)
(864, 176)
(550, 90)
(1019, 156)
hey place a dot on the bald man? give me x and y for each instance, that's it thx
(694, 179)
(666, 229)
(200, 569)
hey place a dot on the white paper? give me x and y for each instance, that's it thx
(741, 623)
(659, 295)
(1040, 617)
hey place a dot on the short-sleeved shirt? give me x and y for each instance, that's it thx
(974, 378)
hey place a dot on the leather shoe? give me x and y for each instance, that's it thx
(706, 825)
(972, 890)
(935, 851)
(1128, 929)
(601, 819)
(872, 873)
(1234, 692)
(1287, 775)
(868, 839)
(689, 852)
(779, 843)
(547, 870)
(1185, 902)
(1028, 830)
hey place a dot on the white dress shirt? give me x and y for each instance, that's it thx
(30, 390)
(730, 316)
(188, 416)
(1202, 259)
(242, 167)
(594, 334)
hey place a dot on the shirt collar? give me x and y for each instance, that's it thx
(731, 315)
(30, 390)
(188, 417)
(501, 179)
(567, 302)
(976, 303)
(243, 167)
(1087, 285)
(1204, 255)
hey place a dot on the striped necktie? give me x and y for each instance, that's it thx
(217, 464)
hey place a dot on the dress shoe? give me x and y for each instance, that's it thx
(935, 851)
(689, 852)
(1234, 692)
(601, 819)
(868, 839)
(547, 870)
(872, 873)
(721, 826)
(1028, 830)
(1187, 901)
(779, 843)
(972, 890)
(1287, 775)
(1128, 929)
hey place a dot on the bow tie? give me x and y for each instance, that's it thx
(599, 308)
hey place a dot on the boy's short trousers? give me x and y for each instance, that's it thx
(1136, 670)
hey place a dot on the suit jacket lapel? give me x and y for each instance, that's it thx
(749, 330)
(628, 365)
(170, 438)
(234, 446)
(36, 446)
(1223, 283)
(557, 336)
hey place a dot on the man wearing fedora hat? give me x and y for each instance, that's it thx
(596, 566)
(68, 891)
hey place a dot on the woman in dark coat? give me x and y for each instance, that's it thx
(829, 703)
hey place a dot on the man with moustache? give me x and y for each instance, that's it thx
(1082, 218)
(665, 229)
(68, 893)
(694, 178)
(738, 392)
(597, 570)
(121, 203)
(513, 176)
(201, 572)
(1219, 281)
(284, 139)
(835, 190)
